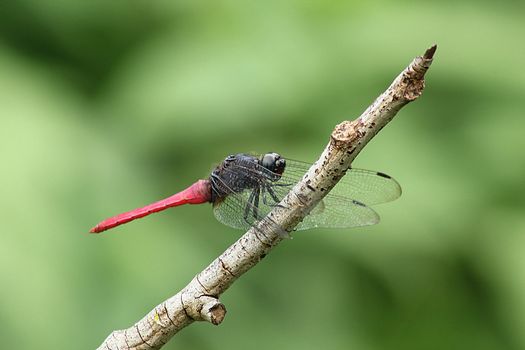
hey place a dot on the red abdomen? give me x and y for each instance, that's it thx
(199, 192)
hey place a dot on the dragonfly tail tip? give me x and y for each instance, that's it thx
(94, 230)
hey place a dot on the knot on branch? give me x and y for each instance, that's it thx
(213, 311)
(204, 308)
(346, 133)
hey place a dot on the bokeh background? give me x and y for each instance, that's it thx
(110, 105)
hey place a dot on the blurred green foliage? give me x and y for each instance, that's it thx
(109, 105)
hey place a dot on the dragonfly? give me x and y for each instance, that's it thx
(244, 188)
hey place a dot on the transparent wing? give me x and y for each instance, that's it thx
(242, 210)
(345, 206)
(230, 211)
(335, 212)
(366, 186)
(331, 212)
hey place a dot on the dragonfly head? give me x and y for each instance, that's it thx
(273, 162)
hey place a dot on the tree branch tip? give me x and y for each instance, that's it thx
(429, 54)
(217, 313)
(212, 310)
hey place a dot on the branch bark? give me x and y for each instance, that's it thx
(199, 300)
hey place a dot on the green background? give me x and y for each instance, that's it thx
(110, 105)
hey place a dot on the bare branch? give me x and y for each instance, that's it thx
(198, 301)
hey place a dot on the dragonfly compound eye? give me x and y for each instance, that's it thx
(273, 162)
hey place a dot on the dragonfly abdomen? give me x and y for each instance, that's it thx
(199, 192)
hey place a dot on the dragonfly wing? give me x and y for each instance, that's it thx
(365, 186)
(345, 206)
(229, 213)
(242, 209)
(333, 212)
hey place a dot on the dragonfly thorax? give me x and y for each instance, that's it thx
(241, 172)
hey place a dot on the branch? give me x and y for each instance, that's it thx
(198, 301)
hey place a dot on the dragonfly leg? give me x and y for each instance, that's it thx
(268, 189)
(253, 206)
(272, 193)
(263, 194)
(264, 188)
(257, 191)
(248, 207)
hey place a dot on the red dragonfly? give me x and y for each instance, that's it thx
(244, 188)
